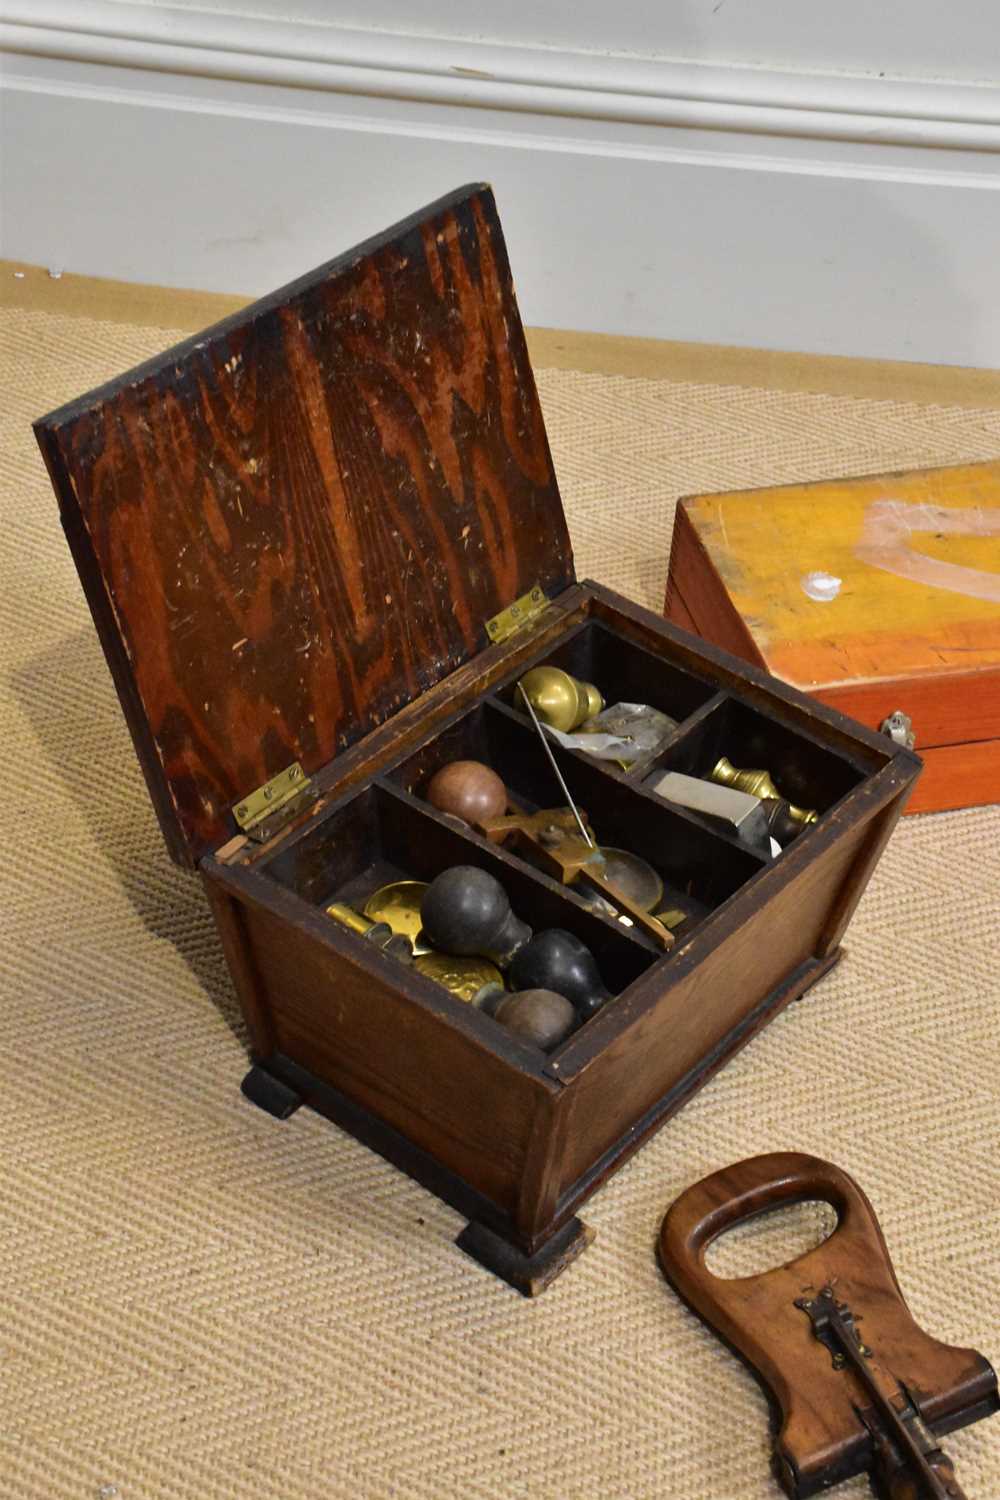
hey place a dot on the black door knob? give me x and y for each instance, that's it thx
(556, 960)
(466, 911)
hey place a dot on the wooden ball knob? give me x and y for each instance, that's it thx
(538, 1016)
(468, 790)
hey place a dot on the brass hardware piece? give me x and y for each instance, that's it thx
(634, 877)
(348, 917)
(399, 905)
(575, 860)
(899, 727)
(516, 615)
(672, 918)
(560, 701)
(378, 933)
(254, 813)
(758, 784)
(473, 979)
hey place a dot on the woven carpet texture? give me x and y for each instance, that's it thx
(202, 1304)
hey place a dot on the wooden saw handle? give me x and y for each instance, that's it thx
(820, 1437)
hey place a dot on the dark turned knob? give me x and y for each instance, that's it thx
(781, 824)
(556, 960)
(466, 911)
(538, 1016)
(468, 790)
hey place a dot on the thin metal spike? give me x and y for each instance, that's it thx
(552, 761)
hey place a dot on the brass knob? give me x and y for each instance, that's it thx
(559, 700)
(758, 784)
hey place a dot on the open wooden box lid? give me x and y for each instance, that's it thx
(876, 594)
(295, 523)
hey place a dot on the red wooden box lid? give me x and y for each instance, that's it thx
(874, 593)
(296, 522)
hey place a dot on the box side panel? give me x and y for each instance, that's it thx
(697, 598)
(231, 926)
(666, 1041)
(355, 1031)
(676, 610)
(947, 708)
(958, 776)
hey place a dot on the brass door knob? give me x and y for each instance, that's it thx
(559, 700)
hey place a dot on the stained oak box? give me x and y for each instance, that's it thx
(294, 531)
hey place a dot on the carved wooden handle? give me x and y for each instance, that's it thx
(742, 1191)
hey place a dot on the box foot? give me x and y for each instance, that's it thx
(527, 1274)
(269, 1093)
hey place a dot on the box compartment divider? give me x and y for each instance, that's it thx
(608, 797)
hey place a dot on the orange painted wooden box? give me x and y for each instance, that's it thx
(880, 595)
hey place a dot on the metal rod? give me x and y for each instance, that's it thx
(559, 776)
(932, 1484)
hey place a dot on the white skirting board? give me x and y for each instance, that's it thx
(671, 200)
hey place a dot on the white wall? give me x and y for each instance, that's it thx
(713, 170)
(917, 38)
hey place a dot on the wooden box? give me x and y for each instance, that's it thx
(294, 532)
(880, 595)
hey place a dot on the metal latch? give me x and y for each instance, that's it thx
(899, 727)
(516, 615)
(256, 814)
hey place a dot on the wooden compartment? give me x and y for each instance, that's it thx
(303, 536)
(804, 769)
(381, 835)
(629, 672)
(705, 866)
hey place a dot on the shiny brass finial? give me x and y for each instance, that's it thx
(559, 700)
(758, 784)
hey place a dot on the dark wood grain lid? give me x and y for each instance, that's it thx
(295, 523)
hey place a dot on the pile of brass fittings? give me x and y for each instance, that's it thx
(576, 714)
(747, 802)
(391, 921)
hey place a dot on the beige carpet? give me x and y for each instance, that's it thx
(201, 1304)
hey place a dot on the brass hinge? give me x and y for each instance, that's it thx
(516, 615)
(256, 814)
